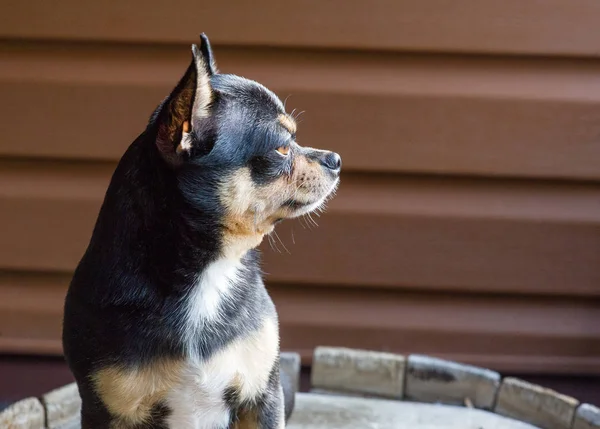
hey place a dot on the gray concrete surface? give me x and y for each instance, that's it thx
(337, 412)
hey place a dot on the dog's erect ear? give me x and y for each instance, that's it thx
(207, 53)
(183, 119)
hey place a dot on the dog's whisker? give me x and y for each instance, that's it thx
(303, 222)
(273, 244)
(286, 249)
(296, 117)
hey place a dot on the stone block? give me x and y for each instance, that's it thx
(587, 417)
(358, 372)
(435, 380)
(535, 404)
(289, 363)
(63, 407)
(25, 414)
(73, 424)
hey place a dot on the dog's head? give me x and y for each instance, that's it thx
(234, 151)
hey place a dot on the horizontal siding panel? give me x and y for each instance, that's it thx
(517, 118)
(560, 335)
(550, 27)
(490, 255)
(505, 333)
(31, 307)
(380, 231)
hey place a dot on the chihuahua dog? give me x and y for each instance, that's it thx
(167, 322)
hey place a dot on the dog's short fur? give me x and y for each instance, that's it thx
(167, 321)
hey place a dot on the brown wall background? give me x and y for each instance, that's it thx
(467, 224)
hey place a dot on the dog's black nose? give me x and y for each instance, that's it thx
(332, 161)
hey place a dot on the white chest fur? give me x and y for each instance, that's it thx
(214, 286)
(197, 402)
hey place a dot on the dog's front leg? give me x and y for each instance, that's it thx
(271, 414)
(268, 413)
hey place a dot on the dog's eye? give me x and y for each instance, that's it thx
(283, 150)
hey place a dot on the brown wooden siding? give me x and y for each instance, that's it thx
(467, 224)
(554, 27)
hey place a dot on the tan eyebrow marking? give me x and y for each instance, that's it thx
(288, 123)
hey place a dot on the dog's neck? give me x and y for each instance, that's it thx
(171, 238)
(243, 234)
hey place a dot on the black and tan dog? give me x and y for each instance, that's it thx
(167, 321)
